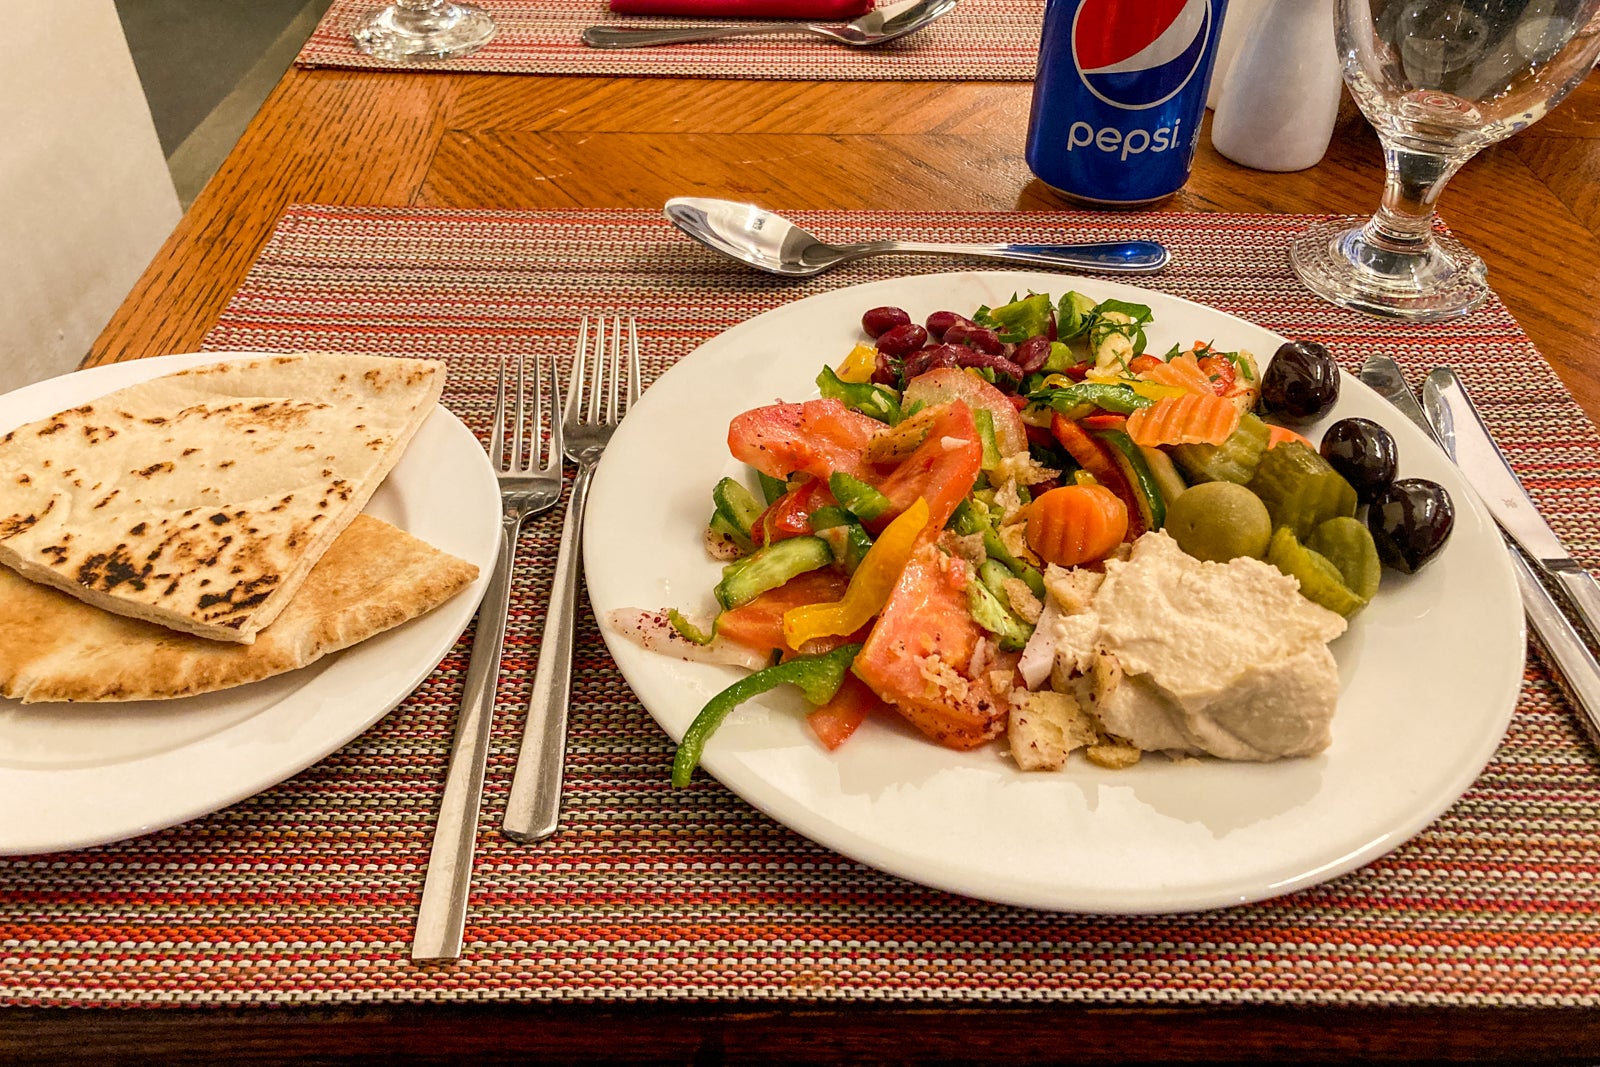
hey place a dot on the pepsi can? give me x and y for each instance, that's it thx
(1119, 96)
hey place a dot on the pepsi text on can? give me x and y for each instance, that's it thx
(1119, 96)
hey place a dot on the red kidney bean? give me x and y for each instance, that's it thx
(1032, 354)
(932, 357)
(886, 371)
(940, 321)
(879, 321)
(980, 337)
(971, 357)
(903, 340)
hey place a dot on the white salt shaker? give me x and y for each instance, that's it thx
(1239, 17)
(1281, 96)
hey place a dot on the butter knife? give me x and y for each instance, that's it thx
(1450, 410)
(1574, 666)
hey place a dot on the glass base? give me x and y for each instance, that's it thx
(429, 30)
(1342, 263)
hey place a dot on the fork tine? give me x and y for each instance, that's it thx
(570, 408)
(615, 369)
(550, 386)
(518, 433)
(497, 441)
(634, 376)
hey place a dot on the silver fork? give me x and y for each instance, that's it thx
(534, 806)
(529, 484)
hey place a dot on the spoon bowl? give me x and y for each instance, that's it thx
(874, 28)
(772, 243)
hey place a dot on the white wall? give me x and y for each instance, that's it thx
(85, 195)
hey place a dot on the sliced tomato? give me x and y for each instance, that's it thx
(1140, 364)
(942, 470)
(790, 514)
(1105, 420)
(817, 437)
(917, 655)
(835, 721)
(758, 624)
(1222, 372)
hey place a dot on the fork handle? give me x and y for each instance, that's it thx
(534, 806)
(442, 915)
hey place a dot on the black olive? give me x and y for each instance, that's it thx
(1410, 521)
(1301, 382)
(1364, 453)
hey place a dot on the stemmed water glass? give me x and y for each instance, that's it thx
(1439, 80)
(423, 29)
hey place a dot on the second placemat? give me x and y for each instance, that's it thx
(994, 40)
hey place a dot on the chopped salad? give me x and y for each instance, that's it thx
(904, 533)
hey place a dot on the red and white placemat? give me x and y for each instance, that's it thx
(307, 893)
(993, 40)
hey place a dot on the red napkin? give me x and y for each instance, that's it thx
(754, 9)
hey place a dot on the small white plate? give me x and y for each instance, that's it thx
(76, 775)
(1430, 671)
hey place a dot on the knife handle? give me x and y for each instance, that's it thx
(1576, 672)
(1580, 588)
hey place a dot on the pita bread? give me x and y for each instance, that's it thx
(54, 647)
(201, 500)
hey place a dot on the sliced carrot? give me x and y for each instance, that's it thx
(1076, 524)
(1190, 419)
(1277, 435)
(1182, 371)
(1104, 421)
(1094, 456)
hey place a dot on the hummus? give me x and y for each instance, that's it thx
(1172, 654)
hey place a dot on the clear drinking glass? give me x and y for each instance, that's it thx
(423, 29)
(1439, 80)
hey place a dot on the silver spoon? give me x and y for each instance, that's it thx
(776, 245)
(875, 27)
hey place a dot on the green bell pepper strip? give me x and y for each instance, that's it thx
(818, 677)
(1118, 398)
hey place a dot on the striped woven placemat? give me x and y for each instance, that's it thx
(307, 893)
(992, 40)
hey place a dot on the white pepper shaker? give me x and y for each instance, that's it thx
(1281, 96)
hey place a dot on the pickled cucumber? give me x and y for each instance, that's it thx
(1348, 545)
(1219, 521)
(1300, 489)
(1234, 460)
(1320, 581)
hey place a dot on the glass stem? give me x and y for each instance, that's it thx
(1414, 179)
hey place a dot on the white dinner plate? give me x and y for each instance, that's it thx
(1429, 672)
(76, 775)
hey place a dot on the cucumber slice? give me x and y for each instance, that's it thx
(767, 568)
(737, 506)
(1320, 581)
(1234, 460)
(849, 542)
(991, 613)
(1130, 459)
(772, 488)
(1348, 545)
(1300, 489)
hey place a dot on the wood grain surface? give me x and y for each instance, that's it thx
(1530, 206)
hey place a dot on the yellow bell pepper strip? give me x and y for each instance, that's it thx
(859, 364)
(869, 586)
(819, 677)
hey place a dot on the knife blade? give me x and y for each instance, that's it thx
(1449, 408)
(1574, 667)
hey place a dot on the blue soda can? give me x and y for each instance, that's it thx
(1119, 96)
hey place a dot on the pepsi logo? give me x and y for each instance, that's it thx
(1144, 60)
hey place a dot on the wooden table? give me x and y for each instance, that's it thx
(1531, 207)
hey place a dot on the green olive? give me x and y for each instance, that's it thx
(1219, 521)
